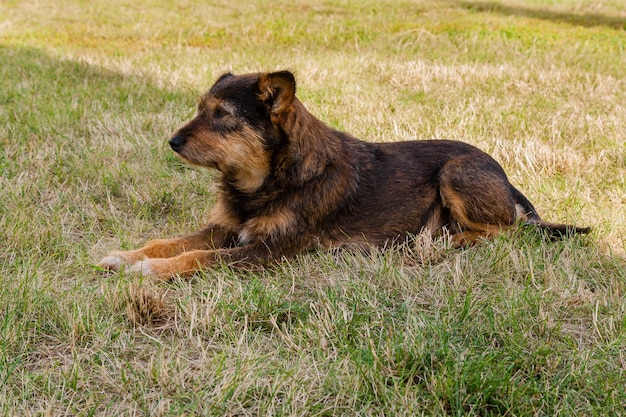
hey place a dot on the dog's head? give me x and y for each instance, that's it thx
(237, 126)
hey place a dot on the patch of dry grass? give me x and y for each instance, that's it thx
(519, 326)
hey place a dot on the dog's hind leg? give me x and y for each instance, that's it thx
(479, 197)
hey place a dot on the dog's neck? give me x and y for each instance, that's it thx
(312, 153)
(310, 146)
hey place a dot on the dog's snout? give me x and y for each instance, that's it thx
(177, 143)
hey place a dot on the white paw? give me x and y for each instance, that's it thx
(112, 262)
(142, 267)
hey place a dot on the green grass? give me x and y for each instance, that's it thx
(89, 93)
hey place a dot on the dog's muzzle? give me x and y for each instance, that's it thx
(177, 143)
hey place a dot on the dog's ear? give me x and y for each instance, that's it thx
(277, 90)
(219, 80)
(224, 76)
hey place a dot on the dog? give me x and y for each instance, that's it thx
(290, 183)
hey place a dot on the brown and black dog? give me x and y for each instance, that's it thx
(289, 183)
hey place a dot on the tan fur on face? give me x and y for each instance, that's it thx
(245, 153)
(239, 153)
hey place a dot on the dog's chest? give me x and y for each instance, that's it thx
(279, 223)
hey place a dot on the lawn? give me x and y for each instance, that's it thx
(517, 326)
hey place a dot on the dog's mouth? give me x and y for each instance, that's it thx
(188, 156)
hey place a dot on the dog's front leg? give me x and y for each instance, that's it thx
(251, 256)
(184, 264)
(211, 237)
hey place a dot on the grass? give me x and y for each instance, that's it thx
(89, 91)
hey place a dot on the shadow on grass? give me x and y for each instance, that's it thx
(72, 135)
(584, 20)
(37, 90)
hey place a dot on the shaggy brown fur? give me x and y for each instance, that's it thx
(290, 183)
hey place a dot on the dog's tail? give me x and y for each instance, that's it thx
(526, 211)
(558, 230)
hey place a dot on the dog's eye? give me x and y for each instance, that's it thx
(219, 112)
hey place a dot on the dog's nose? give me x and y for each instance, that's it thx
(177, 143)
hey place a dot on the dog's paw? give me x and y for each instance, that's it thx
(113, 261)
(148, 267)
(142, 267)
(158, 268)
(135, 262)
(118, 260)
